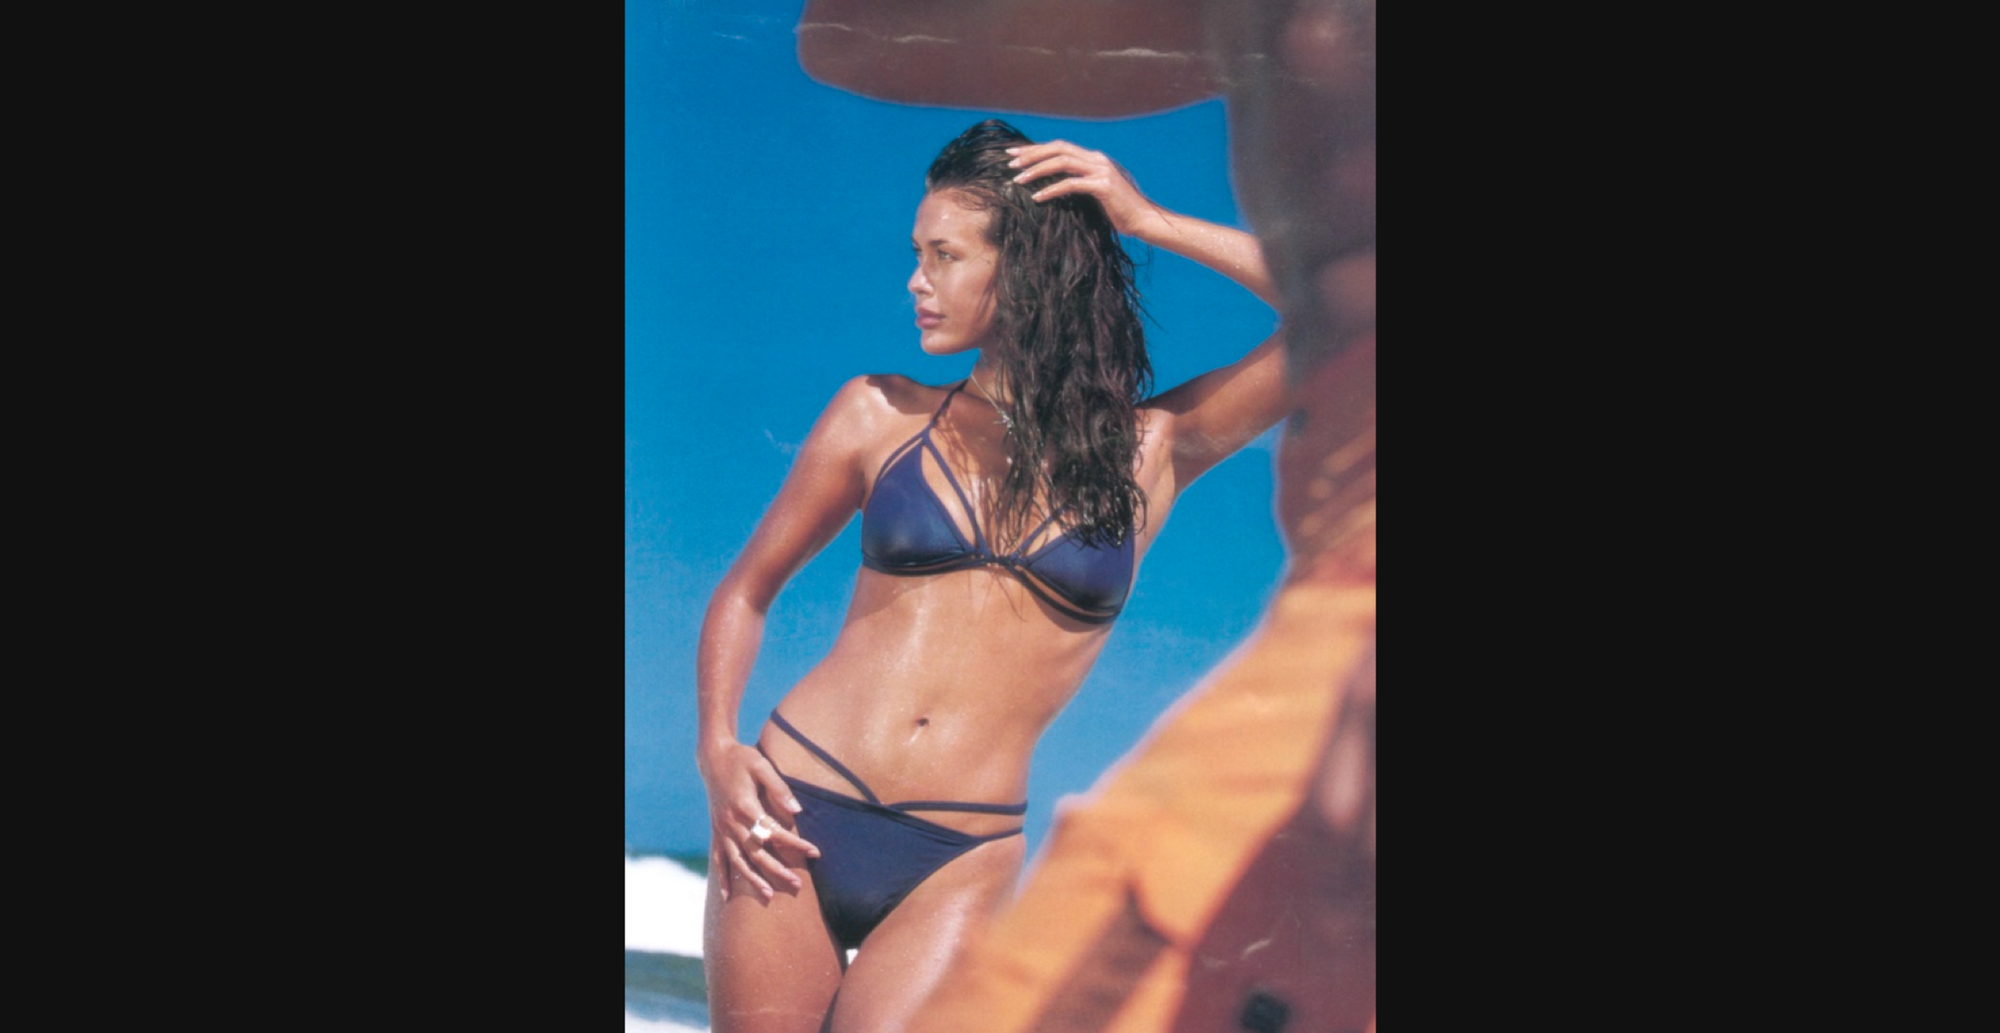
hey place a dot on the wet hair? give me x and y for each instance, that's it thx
(1066, 322)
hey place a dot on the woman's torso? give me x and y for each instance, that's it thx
(940, 684)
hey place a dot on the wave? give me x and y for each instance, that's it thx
(635, 1024)
(663, 906)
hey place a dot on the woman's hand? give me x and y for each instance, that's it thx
(1231, 252)
(1092, 173)
(750, 812)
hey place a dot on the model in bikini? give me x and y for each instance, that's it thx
(1003, 518)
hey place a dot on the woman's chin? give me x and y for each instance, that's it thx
(934, 343)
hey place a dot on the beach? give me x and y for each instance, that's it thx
(664, 992)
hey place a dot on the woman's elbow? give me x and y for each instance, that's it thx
(740, 596)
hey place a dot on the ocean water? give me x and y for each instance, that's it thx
(664, 992)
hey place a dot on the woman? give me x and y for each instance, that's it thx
(1002, 520)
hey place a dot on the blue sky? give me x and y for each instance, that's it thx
(767, 223)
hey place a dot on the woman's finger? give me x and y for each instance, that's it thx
(1065, 187)
(774, 868)
(1105, 181)
(791, 840)
(754, 844)
(719, 866)
(774, 787)
(1028, 154)
(1069, 163)
(742, 866)
(1127, 208)
(759, 849)
(783, 832)
(759, 801)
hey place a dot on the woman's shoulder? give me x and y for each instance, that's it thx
(1156, 422)
(883, 402)
(890, 395)
(1156, 434)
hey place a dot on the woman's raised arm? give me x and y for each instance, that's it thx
(1211, 416)
(820, 494)
(1231, 252)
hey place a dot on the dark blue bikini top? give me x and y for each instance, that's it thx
(906, 531)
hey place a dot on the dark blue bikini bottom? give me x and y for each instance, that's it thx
(872, 854)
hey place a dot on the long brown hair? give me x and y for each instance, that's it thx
(1067, 321)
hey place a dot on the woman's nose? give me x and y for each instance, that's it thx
(918, 284)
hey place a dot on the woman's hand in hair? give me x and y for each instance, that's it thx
(1092, 173)
(1231, 252)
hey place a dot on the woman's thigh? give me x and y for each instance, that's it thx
(772, 967)
(906, 956)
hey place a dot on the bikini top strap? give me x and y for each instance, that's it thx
(1021, 547)
(921, 437)
(942, 406)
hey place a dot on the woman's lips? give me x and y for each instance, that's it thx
(928, 320)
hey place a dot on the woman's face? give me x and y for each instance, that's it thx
(953, 284)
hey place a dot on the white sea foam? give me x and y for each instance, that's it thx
(635, 1024)
(663, 905)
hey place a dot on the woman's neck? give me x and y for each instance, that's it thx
(990, 381)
